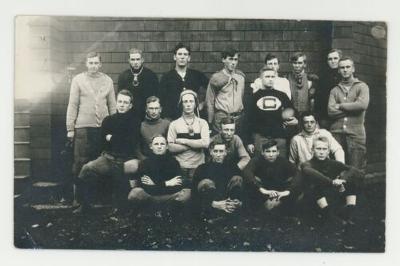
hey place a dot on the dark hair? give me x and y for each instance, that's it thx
(181, 45)
(216, 142)
(152, 99)
(270, 143)
(126, 93)
(344, 58)
(227, 120)
(340, 53)
(136, 51)
(269, 57)
(297, 55)
(93, 54)
(308, 113)
(229, 53)
(266, 68)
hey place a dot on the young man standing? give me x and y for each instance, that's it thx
(160, 177)
(152, 125)
(327, 177)
(91, 99)
(329, 78)
(236, 152)
(178, 79)
(139, 80)
(281, 84)
(302, 84)
(226, 93)
(119, 135)
(264, 115)
(301, 145)
(272, 178)
(348, 102)
(217, 185)
(188, 135)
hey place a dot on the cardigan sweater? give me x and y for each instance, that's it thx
(91, 99)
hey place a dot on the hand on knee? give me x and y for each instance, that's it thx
(322, 203)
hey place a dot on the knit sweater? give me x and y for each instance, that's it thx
(171, 86)
(301, 92)
(353, 103)
(147, 86)
(160, 168)
(149, 129)
(236, 152)
(125, 133)
(301, 146)
(91, 99)
(280, 84)
(329, 78)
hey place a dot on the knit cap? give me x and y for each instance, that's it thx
(186, 92)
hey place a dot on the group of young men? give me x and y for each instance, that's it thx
(219, 144)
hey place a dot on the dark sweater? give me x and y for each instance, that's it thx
(329, 78)
(149, 129)
(171, 86)
(265, 113)
(220, 173)
(148, 86)
(279, 175)
(125, 131)
(160, 168)
(322, 172)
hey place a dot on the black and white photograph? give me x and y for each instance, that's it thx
(200, 133)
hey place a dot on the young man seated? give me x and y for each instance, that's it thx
(328, 179)
(236, 152)
(217, 185)
(120, 135)
(273, 179)
(160, 178)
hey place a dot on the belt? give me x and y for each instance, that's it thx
(231, 114)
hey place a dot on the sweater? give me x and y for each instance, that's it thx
(301, 146)
(149, 129)
(236, 152)
(91, 99)
(322, 172)
(160, 168)
(125, 132)
(147, 86)
(301, 92)
(278, 175)
(329, 78)
(225, 92)
(171, 86)
(350, 117)
(280, 84)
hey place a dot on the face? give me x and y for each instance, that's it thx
(346, 69)
(231, 62)
(333, 60)
(93, 64)
(309, 124)
(153, 110)
(136, 61)
(159, 146)
(182, 57)
(123, 103)
(188, 103)
(227, 131)
(218, 153)
(274, 64)
(270, 154)
(321, 150)
(268, 78)
(299, 65)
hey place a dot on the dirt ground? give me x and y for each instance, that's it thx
(60, 229)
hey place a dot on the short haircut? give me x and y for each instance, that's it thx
(152, 99)
(269, 57)
(216, 142)
(308, 113)
(322, 139)
(93, 54)
(180, 46)
(126, 93)
(158, 136)
(340, 53)
(227, 120)
(297, 55)
(136, 51)
(266, 68)
(344, 58)
(229, 53)
(270, 143)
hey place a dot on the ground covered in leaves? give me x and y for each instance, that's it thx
(60, 229)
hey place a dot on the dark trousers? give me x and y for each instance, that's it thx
(86, 147)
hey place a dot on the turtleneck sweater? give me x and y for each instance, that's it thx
(150, 128)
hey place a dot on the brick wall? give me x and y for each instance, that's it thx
(73, 37)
